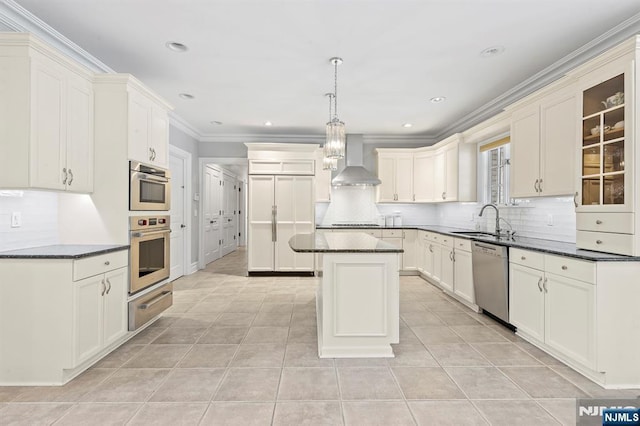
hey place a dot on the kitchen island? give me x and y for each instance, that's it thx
(357, 302)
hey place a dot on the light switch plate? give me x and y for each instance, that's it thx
(16, 219)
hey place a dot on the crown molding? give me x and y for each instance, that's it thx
(553, 72)
(259, 138)
(398, 139)
(20, 19)
(185, 127)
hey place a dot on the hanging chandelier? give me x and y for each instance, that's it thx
(329, 163)
(334, 146)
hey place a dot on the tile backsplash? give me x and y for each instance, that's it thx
(39, 214)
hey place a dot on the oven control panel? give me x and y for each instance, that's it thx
(141, 223)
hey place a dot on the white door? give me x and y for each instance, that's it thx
(178, 219)
(115, 306)
(423, 177)
(261, 233)
(446, 277)
(211, 214)
(451, 173)
(404, 178)
(439, 177)
(525, 153)
(557, 145)
(386, 173)
(463, 275)
(526, 300)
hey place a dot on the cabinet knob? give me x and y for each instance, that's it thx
(598, 222)
(107, 263)
(598, 241)
(523, 258)
(564, 267)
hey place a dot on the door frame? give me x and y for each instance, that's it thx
(219, 162)
(185, 156)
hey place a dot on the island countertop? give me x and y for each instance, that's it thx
(62, 251)
(341, 242)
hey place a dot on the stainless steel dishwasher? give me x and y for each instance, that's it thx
(491, 278)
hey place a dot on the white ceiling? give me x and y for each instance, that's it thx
(250, 61)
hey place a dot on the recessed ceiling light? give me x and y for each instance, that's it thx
(176, 47)
(268, 123)
(492, 51)
(437, 99)
(217, 123)
(407, 125)
(186, 96)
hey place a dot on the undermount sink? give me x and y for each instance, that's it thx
(474, 233)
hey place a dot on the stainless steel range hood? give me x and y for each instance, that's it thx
(354, 174)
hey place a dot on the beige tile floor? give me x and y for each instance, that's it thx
(242, 351)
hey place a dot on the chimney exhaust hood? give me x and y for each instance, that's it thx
(354, 174)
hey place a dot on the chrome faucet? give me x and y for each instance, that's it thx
(497, 217)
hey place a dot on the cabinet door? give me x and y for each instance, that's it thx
(446, 277)
(428, 260)
(451, 173)
(398, 243)
(139, 116)
(525, 153)
(557, 145)
(463, 276)
(159, 137)
(261, 233)
(386, 191)
(438, 254)
(423, 177)
(115, 306)
(439, 177)
(79, 144)
(569, 318)
(88, 317)
(295, 215)
(48, 127)
(410, 246)
(404, 178)
(526, 300)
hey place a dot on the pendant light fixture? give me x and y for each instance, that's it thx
(329, 163)
(334, 147)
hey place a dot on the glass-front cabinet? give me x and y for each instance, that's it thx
(605, 179)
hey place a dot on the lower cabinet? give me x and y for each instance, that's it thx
(463, 270)
(100, 313)
(555, 310)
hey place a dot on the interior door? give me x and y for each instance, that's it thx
(210, 216)
(178, 219)
(261, 232)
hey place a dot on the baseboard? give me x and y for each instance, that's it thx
(193, 268)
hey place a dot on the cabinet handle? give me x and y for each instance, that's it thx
(444, 195)
(155, 300)
(70, 177)
(451, 255)
(539, 284)
(107, 263)
(598, 222)
(544, 285)
(431, 248)
(535, 185)
(575, 199)
(154, 154)
(540, 186)
(598, 241)
(274, 236)
(104, 288)
(414, 197)
(109, 288)
(564, 267)
(64, 180)
(150, 154)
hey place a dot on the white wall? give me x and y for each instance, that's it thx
(39, 211)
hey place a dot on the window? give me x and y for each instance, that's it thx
(495, 162)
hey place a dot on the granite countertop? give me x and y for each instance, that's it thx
(62, 251)
(341, 242)
(535, 244)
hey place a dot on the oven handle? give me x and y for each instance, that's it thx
(155, 300)
(146, 234)
(150, 178)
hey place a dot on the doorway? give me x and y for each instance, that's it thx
(180, 243)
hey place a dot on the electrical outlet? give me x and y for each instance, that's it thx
(549, 220)
(16, 219)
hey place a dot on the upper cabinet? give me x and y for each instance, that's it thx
(395, 170)
(423, 174)
(46, 118)
(145, 117)
(542, 146)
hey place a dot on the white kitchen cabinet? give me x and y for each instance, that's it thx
(77, 310)
(543, 146)
(100, 315)
(144, 117)
(463, 270)
(410, 247)
(445, 184)
(552, 306)
(323, 180)
(47, 118)
(395, 170)
(423, 176)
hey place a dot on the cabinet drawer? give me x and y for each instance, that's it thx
(95, 265)
(373, 232)
(605, 242)
(581, 270)
(531, 259)
(392, 233)
(621, 223)
(445, 240)
(282, 167)
(462, 244)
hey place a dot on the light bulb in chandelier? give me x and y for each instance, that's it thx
(329, 163)
(336, 136)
